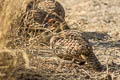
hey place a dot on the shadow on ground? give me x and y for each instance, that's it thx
(102, 39)
(96, 35)
(110, 44)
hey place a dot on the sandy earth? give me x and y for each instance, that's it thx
(100, 20)
(100, 23)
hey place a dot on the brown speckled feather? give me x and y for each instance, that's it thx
(70, 44)
(42, 17)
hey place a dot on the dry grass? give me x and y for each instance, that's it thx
(40, 67)
(9, 10)
(11, 59)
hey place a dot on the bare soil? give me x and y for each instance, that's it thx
(100, 23)
(99, 20)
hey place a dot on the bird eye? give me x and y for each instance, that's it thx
(51, 21)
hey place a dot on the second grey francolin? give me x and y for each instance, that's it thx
(40, 19)
(43, 17)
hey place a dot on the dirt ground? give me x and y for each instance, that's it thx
(100, 23)
(99, 20)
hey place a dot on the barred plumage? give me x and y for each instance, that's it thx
(42, 18)
(71, 45)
